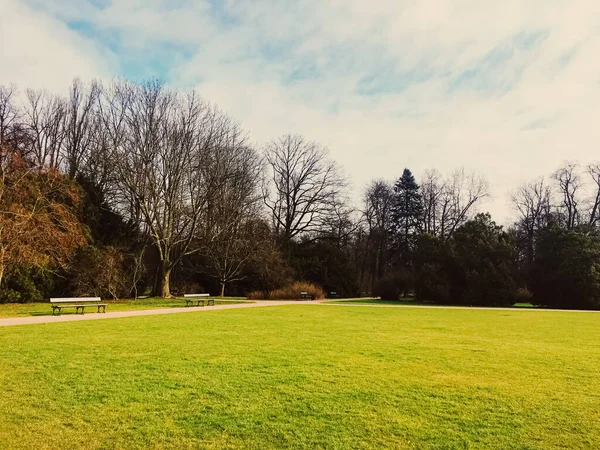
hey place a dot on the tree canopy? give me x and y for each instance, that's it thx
(125, 188)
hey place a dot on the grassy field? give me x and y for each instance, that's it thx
(44, 309)
(410, 302)
(305, 376)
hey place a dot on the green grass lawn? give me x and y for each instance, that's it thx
(376, 301)
(44, 308)
(411, 302)
(305, 376)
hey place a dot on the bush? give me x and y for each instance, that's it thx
(101, 272)
(187, 287)
(11, 296)
(566, 271)
(433, 284)
(391, 286)
(24, 285)
(523, 295)
(256, 295)
(290, 292)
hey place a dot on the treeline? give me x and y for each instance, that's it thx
(428, 240)
(126, 189)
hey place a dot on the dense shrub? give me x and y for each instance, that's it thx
(290, 292)
(187, 287)
(523, 295)
(326, 263)
(566, 272)
(24, 285)
(101, 272)
(397, 283)
(477, 266)
(257, 295)
(433, 284)
(435, 270)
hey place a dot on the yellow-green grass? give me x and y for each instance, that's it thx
(410, 302)
(44, 308)
(305, 376)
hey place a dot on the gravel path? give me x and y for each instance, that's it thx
(144, 312)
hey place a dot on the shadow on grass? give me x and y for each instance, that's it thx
(412, 302)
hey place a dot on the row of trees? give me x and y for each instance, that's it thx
(165, 185)
(123, 189)
(429, 239)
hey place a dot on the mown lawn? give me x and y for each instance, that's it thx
(305, 376)
(409, 302)
(44, 308)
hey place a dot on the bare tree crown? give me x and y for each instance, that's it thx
(304, 186)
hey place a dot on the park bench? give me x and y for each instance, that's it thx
(190, 299)
(334, 294)
(306, 296)
(78, 303)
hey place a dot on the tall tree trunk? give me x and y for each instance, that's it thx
(222, 289)
(161, 287)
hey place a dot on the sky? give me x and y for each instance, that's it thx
(510, 89)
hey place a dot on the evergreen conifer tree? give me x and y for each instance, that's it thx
(407, 214)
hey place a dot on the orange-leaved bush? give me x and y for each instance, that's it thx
(290, 292)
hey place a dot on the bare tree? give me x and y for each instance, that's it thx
(303, 188)
(568, 184)
(44, 123)
(461, 192)
(341, 225)
(378, 201)
(432, 188)
(532, 202)
(80, 125)
(228, 233)
(9, 112)
(230, 253)
(594, 209)
(167, 152)
(449, 201)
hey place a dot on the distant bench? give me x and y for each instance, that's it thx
(306, 296)
(334, 294)
(78, 303)
(190, 299)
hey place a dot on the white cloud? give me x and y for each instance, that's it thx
(508, 88)
(39, 51)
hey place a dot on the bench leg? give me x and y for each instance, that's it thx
(210, 302)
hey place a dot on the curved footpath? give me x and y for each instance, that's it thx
(250, 304)
(140, 312)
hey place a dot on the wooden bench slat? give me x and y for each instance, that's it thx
(190, 299)
(58, 304)
(75, 300)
